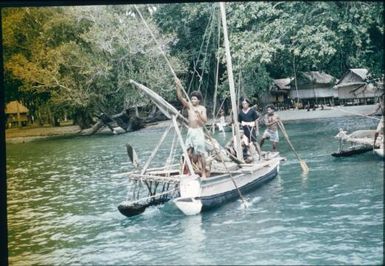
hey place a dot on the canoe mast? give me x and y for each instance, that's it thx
(229, 65)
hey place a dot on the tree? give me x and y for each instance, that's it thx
(80, 59)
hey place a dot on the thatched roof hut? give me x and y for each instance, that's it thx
(277, 93)
(15, 107)
(17, 114)
(281, 86)
(354, 76)
(354, 85)
(312, 84)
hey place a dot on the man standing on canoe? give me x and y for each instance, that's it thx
(380, 126)
(197, 117)
(248, 118)
(271, 132)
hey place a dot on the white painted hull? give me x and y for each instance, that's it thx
(379, 152)
(198, 196)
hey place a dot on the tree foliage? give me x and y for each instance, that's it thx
(79, 60)
(268, 38)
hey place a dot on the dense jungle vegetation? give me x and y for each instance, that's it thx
(77, 61)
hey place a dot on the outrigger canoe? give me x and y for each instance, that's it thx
(359, 141)
(191, 193)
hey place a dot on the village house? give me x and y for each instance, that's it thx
(313, 88)
(354, 88)
(278, 94)
(16, 114)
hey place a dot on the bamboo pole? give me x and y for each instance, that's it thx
(231, 83)
(187, 158)
(155, 150)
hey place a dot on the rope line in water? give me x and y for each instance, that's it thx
(354, 113)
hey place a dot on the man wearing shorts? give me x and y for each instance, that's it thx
(197, 117)
(271, 132)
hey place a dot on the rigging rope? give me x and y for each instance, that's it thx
(354, 113)
(200, 52)
(205, 54)
(160, 48)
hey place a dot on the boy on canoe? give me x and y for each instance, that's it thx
(197, 117)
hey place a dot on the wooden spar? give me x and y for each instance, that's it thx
(154, 196)
(187, 158)
(167, 109)
(171, 155)
(155, 150)
(216, 76)
(231, 83)
(170, 110)
(154, 177)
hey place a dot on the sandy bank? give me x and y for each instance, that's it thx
(19, 135)
(328, 112)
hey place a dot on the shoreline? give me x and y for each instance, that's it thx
(17, 135)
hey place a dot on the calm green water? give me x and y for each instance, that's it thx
(62, 202)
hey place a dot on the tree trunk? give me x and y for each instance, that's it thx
(82, 118)
(92, 130)
(124, 120)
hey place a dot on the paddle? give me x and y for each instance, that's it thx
(303, 164)
(132, 155)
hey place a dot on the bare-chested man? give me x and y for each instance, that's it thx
(271, 132)
(195, 140)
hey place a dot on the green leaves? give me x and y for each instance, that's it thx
(81, 58)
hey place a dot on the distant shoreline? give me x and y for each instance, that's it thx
(328, 112)
(17, 135)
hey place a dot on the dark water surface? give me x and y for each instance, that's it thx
(62, 201)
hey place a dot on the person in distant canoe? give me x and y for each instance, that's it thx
(271, 132)
(248, 118)
(197, 117)
(380, 126)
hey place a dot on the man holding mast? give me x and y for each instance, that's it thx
(197, 117)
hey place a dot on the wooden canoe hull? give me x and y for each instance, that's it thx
(206, 194)
(246, 182)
